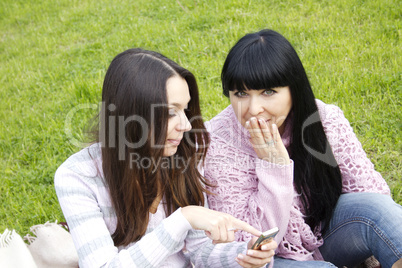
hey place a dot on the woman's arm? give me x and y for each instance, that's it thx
(275, 195)
(250, 189)
(204, 253)
(85, 210)
(86, 206)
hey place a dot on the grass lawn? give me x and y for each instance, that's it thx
(54, 54)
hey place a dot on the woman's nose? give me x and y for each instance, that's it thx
(255, 106)
(184, 124)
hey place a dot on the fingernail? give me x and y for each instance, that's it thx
(247, 124)
(261, 121)
(250, 252)
(253, 119)
(240, 256)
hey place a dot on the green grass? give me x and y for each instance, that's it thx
(54, 54)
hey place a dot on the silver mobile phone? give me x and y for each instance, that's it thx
(265, 237)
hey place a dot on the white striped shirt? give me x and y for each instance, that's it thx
(86, 205)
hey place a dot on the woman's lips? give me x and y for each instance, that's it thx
(174, 142)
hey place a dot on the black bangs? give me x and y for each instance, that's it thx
(255, 74)
(257, 62)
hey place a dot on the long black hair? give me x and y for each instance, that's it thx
(265, 60)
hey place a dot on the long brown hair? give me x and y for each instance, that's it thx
(132, 125)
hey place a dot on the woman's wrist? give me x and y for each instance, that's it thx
(281, 160)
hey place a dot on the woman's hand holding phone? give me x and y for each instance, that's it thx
(257, 257)
(220, 227)
(265, 238)
(261, 250)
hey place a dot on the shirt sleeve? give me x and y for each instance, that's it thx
(79, 200)
(204, 254)
(253, 190)
(358, 173)
(275, 196)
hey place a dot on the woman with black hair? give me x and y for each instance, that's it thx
(135, 198)
(280, 157)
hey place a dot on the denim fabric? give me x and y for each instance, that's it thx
(364, 224)
(287, 263)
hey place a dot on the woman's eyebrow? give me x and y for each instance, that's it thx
(178, 105)
(175, 104)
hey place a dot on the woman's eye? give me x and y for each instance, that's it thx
(269, 92)
(172, 112)
(240, 94)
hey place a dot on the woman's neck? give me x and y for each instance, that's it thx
(154, 206)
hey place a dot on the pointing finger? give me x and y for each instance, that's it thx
(241, 225)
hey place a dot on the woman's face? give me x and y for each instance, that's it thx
(272, 105)
(178, 96)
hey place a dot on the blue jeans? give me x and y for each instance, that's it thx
(287, 263)
(364, 224)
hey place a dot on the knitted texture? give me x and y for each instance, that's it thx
(262, 193)
(358, 174)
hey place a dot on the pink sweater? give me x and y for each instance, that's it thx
(262, 193)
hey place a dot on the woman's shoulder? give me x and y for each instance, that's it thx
(220, 121)
(335, 123)
(86, 162)
(329, 112)
(225, 129)
(225, 126)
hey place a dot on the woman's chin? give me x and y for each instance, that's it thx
(170, 151)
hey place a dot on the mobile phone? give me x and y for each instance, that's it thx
(265, 237)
